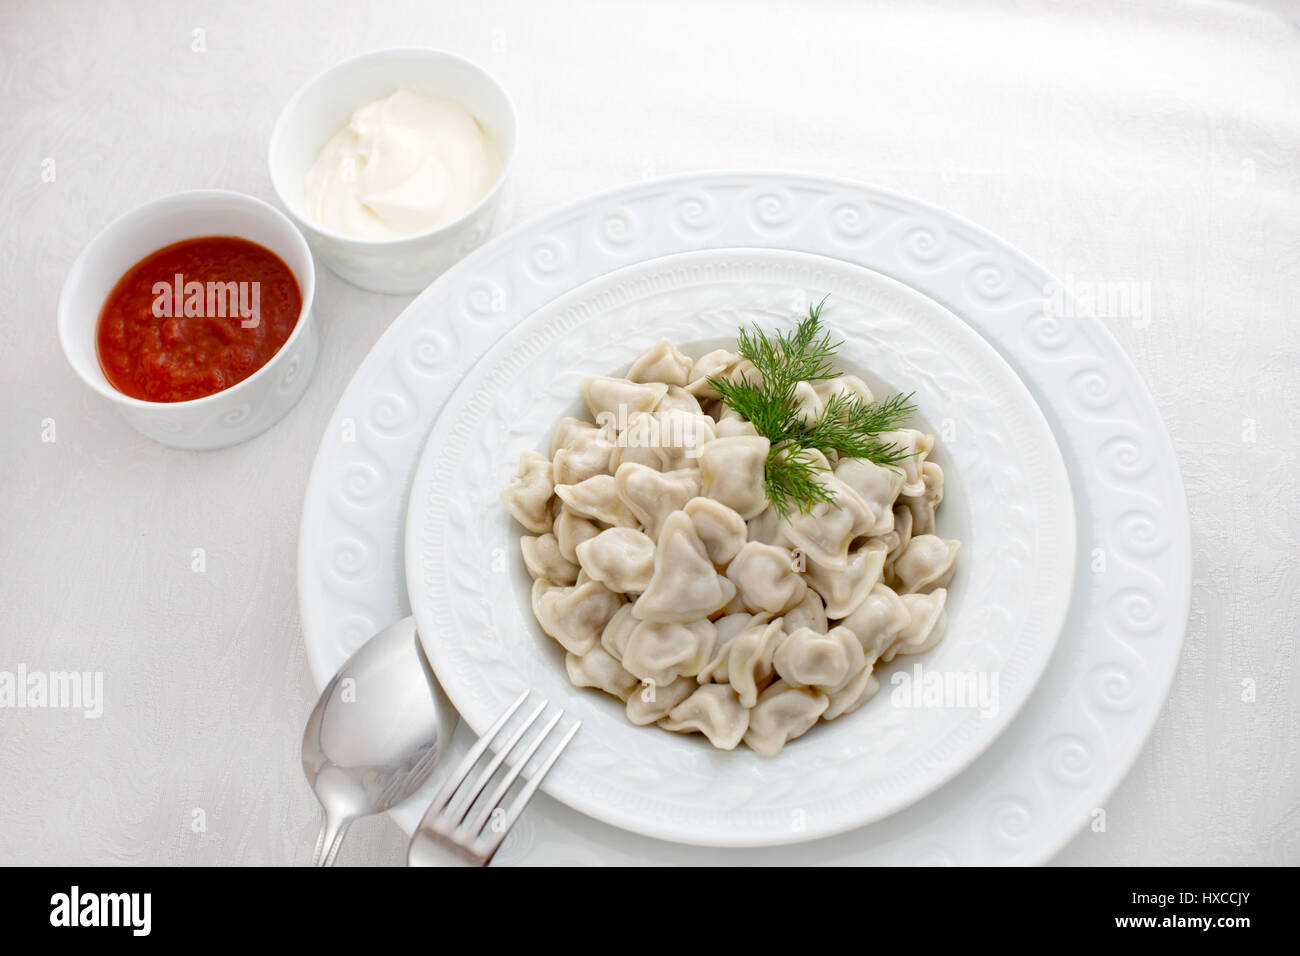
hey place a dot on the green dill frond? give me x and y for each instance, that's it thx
(792, 481)
(847, 427)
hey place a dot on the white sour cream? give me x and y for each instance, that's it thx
(404, 164)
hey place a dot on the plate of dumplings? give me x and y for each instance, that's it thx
(791, 539)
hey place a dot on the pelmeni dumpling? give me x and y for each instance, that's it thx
(856, 691)
(579, 451)
(680, 400)
(652, 703)
(576, 616)
(781, 714)
(768, 528)
(765, 578)
(878, 621)
(810, 613)
(638, 443)
(661, 653)
(916, 446)
(622, 559)
(732, 424)
(662, 362)
(528, 496)
(844, 589)
(825, 661)
(809, 403)
(714, 711)
(924, 505)
(927, 563)
(749, 659)
(722, 530)
(825, 533)
(684, 586)
(681, 436)
(715, 364)
(571, 529)
(651, 495)
(597, 498)
(727, 628)
(597, 669)
(927, 621)
(616, 399)
(734, 473)
(616, 633)
(877, 487)
(544, 559)
(850, 386)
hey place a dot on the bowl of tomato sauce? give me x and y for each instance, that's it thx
(193, 315)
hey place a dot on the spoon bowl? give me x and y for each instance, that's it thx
(376, 733)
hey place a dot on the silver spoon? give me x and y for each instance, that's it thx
(376, 733)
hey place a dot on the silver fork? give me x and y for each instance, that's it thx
(470, 827)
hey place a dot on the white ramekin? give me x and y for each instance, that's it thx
(324, 106)
(226, 417)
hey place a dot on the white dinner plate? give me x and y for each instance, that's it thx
(1051, 771)
(1007, 500)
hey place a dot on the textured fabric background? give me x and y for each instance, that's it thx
(1147, 151)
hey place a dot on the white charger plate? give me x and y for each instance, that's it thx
(1007, 500)
(1044, 777)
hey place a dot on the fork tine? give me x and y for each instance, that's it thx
(486, 807)
(464, 801)
(526, 794)
(461, 773)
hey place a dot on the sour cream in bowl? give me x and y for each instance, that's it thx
(395, 164)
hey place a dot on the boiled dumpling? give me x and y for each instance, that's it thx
(653, 703)
(597, 669)
(878, 621)
(844, 589)
(810, 613)
(782, 713)
(571, 529)
(808, 402)
(679, 400)
(825, 533)
(580, 451)
(765, 578)
(714, 711)
(597, 498)
(927, 620)
(616, 399)
(850, 386)
(924, 505)
(715, 364)
(877, 487)
(528, 496)
(662, 362)
(734, 472)
(857, 691)
(722, 530)
(927, 563)
(615, 635)
(826, 661)
(684, 586)
(661, 653)
(651, 495)
(622, 559)
(727, 628)
(681, 436)
(749, 661)
(576, 616)
(544, 560)
(638, 443)
(915, 445)
(768, 528)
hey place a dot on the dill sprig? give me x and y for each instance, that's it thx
(847, 426)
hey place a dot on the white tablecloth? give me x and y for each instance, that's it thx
(1149, 152)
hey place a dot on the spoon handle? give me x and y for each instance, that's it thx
(332, 830)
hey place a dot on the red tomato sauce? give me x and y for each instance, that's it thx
(195, 318)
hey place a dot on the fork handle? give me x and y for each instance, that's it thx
(332, 830)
